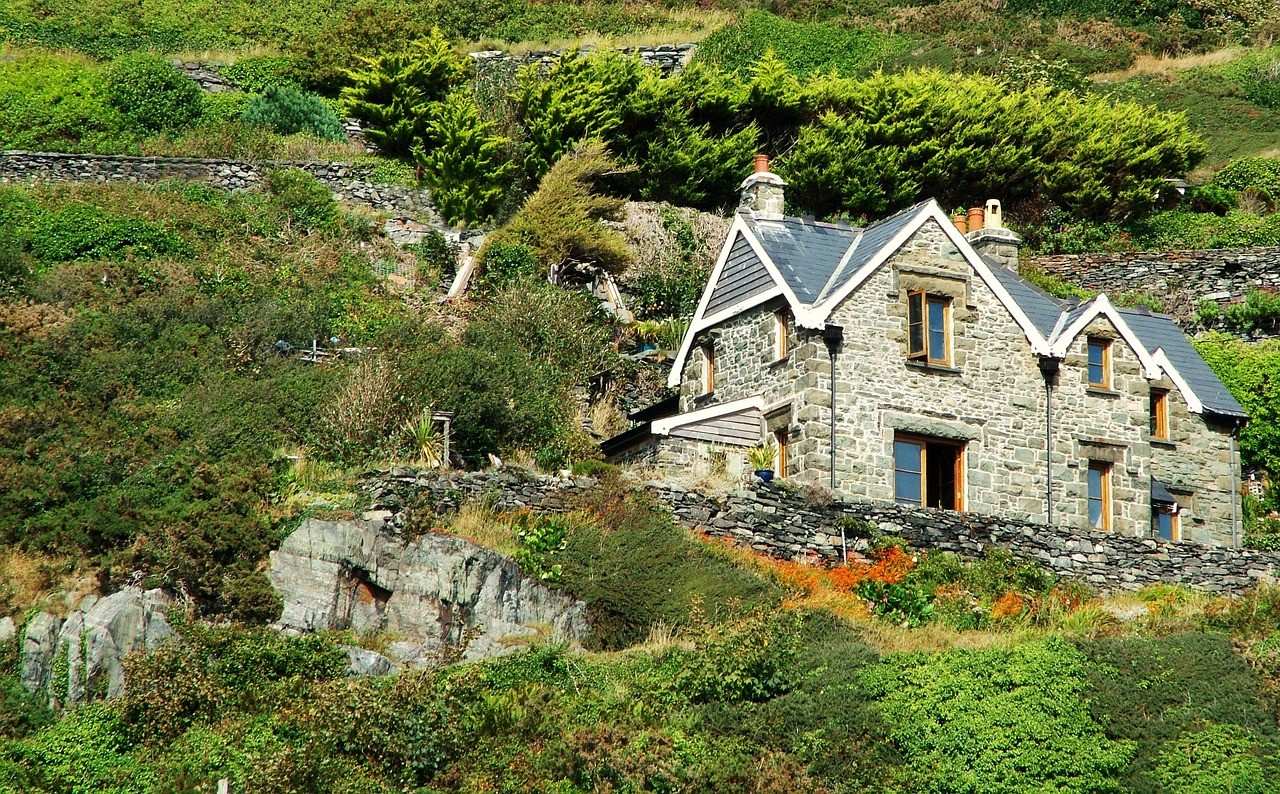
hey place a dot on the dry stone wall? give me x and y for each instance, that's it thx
(348, 182)
(784, 523)
(1181, 278)
(670, 58)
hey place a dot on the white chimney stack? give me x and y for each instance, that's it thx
(763, 191)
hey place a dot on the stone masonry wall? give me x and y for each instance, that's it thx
(670, 58)
(782, 523)
(348, 182)
(1181, 278)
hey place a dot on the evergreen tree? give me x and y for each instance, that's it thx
(467, 167)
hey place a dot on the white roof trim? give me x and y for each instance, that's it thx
(663, 427)
(1101, 306)
(1193, 402)
(818, 314)
(700, 321)
(844, 262)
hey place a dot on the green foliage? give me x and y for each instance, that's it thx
(1184, 229)
(81, 231)
(1055, 286)
(1035, 69)
(396, 96)
(564, 219)
(437, 259)
(86, 750)
(1165, 693)
(468, 166)
(504, 265)
(1216, 758)
(672, 289)
(152, 92)
(1212, 198)
(307, 201)
(903, 603)
(751, 659)
(21, 712)
(260, 74)
(223, 107)
(1260, 175)
(806, 47)
(541, 540)
(1259, 311)
(964, 718)
(288, 110)
(56, 103)
(1252, 373)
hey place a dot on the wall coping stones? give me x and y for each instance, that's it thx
(783, 523)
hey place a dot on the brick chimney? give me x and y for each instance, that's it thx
(993, 240)
(762, 192)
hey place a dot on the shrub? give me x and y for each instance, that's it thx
(1251, 173)
(260, 74)
(308, 202)
(152, 92)
(223, 106)
(1216, 758)
(541, 540)
(806, 47)
(959, 715)
(437, 259)
(1252, 374)
(57, 103)
(1212, 198)
(505, 264)
(288, 111)
(467, 166)
(750, 659)
(81, 231)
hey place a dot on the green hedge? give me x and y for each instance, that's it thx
(806, 47)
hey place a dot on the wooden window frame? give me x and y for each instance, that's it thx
(1175, 524)
(1159, 414)
(1104, 343)
(918, 303)
(781, 334)
(708, 368)
(957, 474)
(1104, 481)
(782, 438)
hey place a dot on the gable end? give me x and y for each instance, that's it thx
(744, 276)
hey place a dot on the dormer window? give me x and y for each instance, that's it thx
(781, 334)
(708, 368)
(929, 327)
(1099, 362)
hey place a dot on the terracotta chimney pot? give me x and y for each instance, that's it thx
(975, 218)
(961, 224)
(761, 163)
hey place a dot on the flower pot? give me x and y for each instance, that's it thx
(765, 475)
(975, 218)
(961, 223)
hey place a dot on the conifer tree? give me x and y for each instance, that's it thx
(467, 167)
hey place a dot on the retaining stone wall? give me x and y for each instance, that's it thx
(784, 523)
(1181, 278)
(670, 58)
(348, 182)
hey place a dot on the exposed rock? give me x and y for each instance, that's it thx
(94, 641)
(7, 629)
(364, 662)
(435, 592)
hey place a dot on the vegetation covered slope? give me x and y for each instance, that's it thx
(734, 673)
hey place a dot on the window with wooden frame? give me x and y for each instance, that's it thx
(1159, 415)
(781, 437)
(1100, 362)
(928, 472)
(1099, 494)
(781, 334)
(1165, 523)
(708, 368)
(929, 327)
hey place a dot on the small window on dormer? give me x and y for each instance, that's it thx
(708, 368)
(929, 327)
(1099, 362)
(781, 333)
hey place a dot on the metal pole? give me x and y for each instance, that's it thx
(1048, 452)
(1235, 489)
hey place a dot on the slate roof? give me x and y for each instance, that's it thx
(1159, 331)
(808, 254)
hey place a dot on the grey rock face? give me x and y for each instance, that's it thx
(94, 640)
(435, 592)
(364, 662)
(7, 629)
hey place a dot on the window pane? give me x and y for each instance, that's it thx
(906, 456)
(907, 474)
(1164, 524)
(915, 323)
(1096, 369)
(1155, 415)
(937, 330)
(1095, 513)
(906, 488)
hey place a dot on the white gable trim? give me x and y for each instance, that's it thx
(663, 427)
(818, 315)
(844, 262)
(701, 321)
(1193, 402)
(1101, 307)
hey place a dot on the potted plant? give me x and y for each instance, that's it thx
(761, 458)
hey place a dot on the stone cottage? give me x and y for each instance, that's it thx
(909, 362)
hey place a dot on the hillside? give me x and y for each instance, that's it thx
(190, 374)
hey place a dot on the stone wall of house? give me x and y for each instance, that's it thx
(348, 182)
(1181, 278)
(784, 523)
(670, 58)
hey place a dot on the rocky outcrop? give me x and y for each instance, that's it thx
(82, 656)
(438, 594)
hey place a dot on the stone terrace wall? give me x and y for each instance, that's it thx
(1184, 278)
(670, 58)
(776, 521)
(348, 182)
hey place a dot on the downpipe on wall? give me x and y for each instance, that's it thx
(1049, 371)
(833, 336)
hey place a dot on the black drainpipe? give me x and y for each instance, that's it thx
(833, 336)
(1049, 371)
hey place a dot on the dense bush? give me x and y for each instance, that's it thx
(1252, 373)
(959, 716)
(1260, 174)
(258, 75)
(467, 165)
(55, 102)
(152, 92)
(308, 202)
(288, 110)
(505, 264)
(806, 47)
